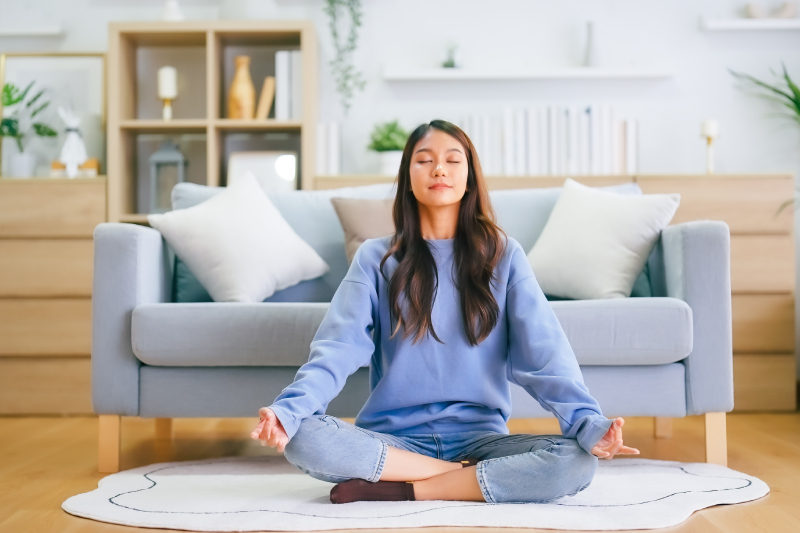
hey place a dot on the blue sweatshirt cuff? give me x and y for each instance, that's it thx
(290, 424)
(592, 429)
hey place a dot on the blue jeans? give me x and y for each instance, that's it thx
(511, 468)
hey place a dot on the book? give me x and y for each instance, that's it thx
(508, 142)
(333, 149)
(520, 143)
(572, 142)
(266, 98)
(282, 79)
(533, 138)
(595, 165)
(584, 145)
(552, 141)
(296, 85)
(632, 147)
(321, 155)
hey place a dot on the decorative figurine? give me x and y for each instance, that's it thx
(242, 96)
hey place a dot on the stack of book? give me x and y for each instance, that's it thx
(554, 140)
(288, 85)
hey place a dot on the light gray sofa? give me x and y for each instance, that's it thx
(664, 352)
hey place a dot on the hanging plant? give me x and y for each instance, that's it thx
(344, 73)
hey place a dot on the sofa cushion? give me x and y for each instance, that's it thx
(310, 214)
(625, 331)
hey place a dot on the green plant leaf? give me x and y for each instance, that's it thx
(33, 100)
(761, 84)
(43, 130)
(39, 109)
(9, 127)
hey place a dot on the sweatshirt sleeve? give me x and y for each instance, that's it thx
(342, 344)
(541, 360)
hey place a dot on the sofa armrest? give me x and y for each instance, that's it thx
(696, 269)
(130, 268)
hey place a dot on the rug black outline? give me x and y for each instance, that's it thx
(478, 504)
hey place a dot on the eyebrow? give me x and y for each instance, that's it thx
(429, 150)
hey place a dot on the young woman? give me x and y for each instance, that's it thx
(446, 312)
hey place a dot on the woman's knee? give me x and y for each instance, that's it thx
(578, 469)
(307, 441)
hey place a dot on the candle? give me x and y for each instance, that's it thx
(167, 83)
(709, 128)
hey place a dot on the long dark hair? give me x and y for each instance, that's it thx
(477, 248)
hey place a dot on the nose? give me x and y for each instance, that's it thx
(438, 170)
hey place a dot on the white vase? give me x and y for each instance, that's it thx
(21, 165)
(390, 162)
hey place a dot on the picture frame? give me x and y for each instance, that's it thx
(71, 80)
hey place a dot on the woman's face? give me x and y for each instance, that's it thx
(438, 170)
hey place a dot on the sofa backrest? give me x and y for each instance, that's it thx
(522, 213)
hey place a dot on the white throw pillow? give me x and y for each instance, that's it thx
(596, 242)
(238, 245)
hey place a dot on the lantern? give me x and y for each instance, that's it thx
(167, 169)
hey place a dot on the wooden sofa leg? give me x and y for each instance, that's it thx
(662, 427)
(108, 450)
(163, 429)
(716, 439)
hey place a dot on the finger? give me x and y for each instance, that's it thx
(272, 437)
(257, 431)
(628, 450)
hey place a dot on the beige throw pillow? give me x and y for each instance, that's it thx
(363, 219)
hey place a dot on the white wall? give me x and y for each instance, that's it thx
(532, 33)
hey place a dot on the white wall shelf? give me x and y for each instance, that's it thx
(566, 73)
(739, 24)
(43, 30)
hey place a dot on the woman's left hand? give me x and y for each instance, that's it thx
(611, 443)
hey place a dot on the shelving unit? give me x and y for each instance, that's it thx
(565, 73)
(738, 24)
(200, 50)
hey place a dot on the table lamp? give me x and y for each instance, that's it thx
(167, 89)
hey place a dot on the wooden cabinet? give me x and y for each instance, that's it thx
(46, 253)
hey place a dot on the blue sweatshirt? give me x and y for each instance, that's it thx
(442, 388)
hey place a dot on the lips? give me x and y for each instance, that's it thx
(440, 186)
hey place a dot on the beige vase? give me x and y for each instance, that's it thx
(242, 95)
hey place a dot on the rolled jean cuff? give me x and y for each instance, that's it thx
(376, 475)
(484, 485)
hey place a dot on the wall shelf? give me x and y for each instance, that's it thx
(188, 125)
(565, 73)
(738, 24)
(42, 30)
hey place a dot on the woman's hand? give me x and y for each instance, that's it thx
(270, 430)
(611, 443)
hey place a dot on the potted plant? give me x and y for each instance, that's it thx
(389, 139)
(19, 113)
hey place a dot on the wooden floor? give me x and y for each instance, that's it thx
(45, 460)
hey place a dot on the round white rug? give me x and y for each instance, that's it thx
(268, 493)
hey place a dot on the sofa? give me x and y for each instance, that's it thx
(162, 349)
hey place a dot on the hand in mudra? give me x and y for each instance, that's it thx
(270, 430)
(611, 443)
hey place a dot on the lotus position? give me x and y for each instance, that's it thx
(445, 312)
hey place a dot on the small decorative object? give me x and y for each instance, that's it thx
(346, 77)
(389, 139)
(274, 170)
(73, 153)
(787, 11)
(242, 96)
(167, 89)
(167, 168)
(19, 124)
(266, 98)
(590, 57)
(710, 131)
(755, 11)
(453, 57)
(172, 11)
(88, 169)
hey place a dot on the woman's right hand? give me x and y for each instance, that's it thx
(270, 430)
